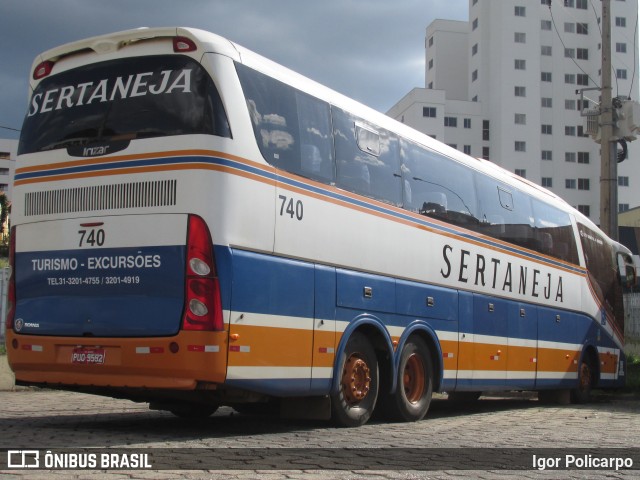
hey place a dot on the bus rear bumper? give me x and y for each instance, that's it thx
(180, 362)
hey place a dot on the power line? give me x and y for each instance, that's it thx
(635, 54)
(9, 128)
(565, 47)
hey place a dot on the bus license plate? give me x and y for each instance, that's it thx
(87, 356)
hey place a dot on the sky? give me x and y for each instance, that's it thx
(369, 50)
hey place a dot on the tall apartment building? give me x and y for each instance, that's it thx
(8, 152)
(502, 86)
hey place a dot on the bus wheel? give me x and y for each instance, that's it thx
(586, 381)
(412, 397)
(356, 398)
(193, 410)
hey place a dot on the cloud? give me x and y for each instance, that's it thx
(370, 50)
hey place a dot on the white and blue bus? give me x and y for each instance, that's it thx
(194, 226)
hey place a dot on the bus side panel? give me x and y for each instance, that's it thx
(324, 332)
(271, 324)
(559, 346)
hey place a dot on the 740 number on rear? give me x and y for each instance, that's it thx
(91, 238)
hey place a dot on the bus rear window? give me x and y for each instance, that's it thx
(120, 100)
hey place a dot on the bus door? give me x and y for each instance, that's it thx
(324, 329)
(522, 351)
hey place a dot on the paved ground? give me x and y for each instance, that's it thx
(54, 420)
(6, 375)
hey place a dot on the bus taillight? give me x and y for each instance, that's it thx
(183, 44)
(203, 308)
(11, 294)
(42, 70)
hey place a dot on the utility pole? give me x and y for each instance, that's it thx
(609, 165)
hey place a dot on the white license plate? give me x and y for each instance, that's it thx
(87, 356)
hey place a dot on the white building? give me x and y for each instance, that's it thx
(503, 86)
(8, 152)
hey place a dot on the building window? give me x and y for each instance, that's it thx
(582, 54)
(520, 11)
(520, 64)
(570, 131)
(545, 76)
(621, 73)
(520, 146)
(450, 122)
(569, 53)
(583, 184)
(569, 27)
(547, 155)
(520, 119)
(546, 50)
(585, 210)
(569, 104)
(621, 22)
(582, 28)
(474, 75)
(520, 91)
(485, 130)
(545, 25)
(520, 37)
(467, 123)
(547, 182)
(570, 157)
(583, 157)
(474, 49)
(623, 181)
(546, 129)
(431, 41)
(521, 172)
(582, 79)
(568, 3)
(429, 112)
(581, 4)
(474, 25)
(430, 64)
(621, 47)
(623, 207)
(485, 153)
(546, 102)
(467, 149)
(570, 183)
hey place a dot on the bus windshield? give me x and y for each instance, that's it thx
(121, 100)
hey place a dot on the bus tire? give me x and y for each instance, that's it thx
(586, 382)
(410, 402)
(355, 400)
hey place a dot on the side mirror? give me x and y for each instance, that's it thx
(626, 271)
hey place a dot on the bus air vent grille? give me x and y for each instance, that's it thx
(118, 196)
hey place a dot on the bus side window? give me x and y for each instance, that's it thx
(506, 213)
(555, 232)
(437, 186)
(292, 128)
(367, 159)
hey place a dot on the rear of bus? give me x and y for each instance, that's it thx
(115, 287)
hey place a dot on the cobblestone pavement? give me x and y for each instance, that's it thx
(45, 419)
